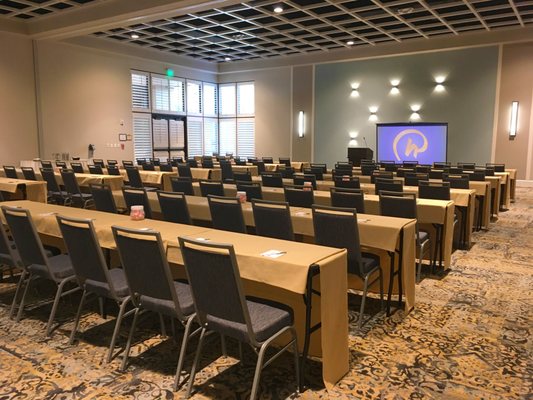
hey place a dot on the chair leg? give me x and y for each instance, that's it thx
(54, 306)
(130, 337)
(163, 327)
(195, 363)
(118, 323)
(391, 282)
(77, 319)
(381, 288)
(17, 291)
(183, 350)
(258, 369)
(223, 344)
(363, 300)
(23, 300)
(296, 359)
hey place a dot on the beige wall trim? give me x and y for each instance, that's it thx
(496, 105)
(524, 183)
(529, 161)
(312, 119)
(291, 130)
(13, 26)
(38, 110)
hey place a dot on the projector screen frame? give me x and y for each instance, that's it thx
(410, 124)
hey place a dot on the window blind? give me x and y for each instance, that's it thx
(142, 135)
(140, 91)
(246, 137)
(227, 100)
(210, 136)
(194, 136)
(245, 99)
(177, 134)
(210, 99)
(228, 135)
(177, 95)
(194, 98)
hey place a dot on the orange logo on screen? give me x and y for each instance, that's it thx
(410, 147)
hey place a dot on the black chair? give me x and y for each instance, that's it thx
(252, 159)
(384, 163)
(182, 184)
(337, 227)
(497, 167)
(434, 190)
(221, 306)
(273, 219)
(317, 172)
(391, 185)
(103, 198)
(115, 162)
(287, 172)
(47, 164)
(137, 197)
(134, 179)
(155, 160)
(457, 181)
(77, 167)
(467, 166)
(184, 171)
(99, 161)
(435, 174)
(192, 162)
(442, 165)
(152, 288)
(400, 172)
(285, 161)
(29, 173)
(368, 170)
(422, 169)
(9, 257)
(252, 189)
(55, 194)
(210, 187)
(300, 179)
(95, 169)
(268, 160)
(174, 207)
(260, 166)
(348, 198)
(74, 191)
(227, 171)
(61, 164)
(344, 165)
(239, 161)
(477, 175)
(403, 205)
(113, 170)
(207, 163)
(92, 272)
(176, 160)
(226, 213)
(391, 167)
(323, 167)
(10, 171)
(412, 179)
(456, 170)
(298, 196)
(347, 182)
(341, 172)
(242, 177)
(35, 263)
(141, 161)
(381, 174)
(410, 164)
(148, 166)
(125, 163)
(489, 171)
(273, 179)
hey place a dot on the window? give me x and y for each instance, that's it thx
(194, 98)
(142, 135)
(168, 94)
(140, 91)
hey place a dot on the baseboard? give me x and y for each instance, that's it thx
(524, 183)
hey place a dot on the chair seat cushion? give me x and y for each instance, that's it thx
(5, 259)
(60, 268)
(166, 307)
(370, 262)
(118, 280)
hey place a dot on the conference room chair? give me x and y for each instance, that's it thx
(93, 273)
(412, 178)
(103, 198)
(77, 167)
(347, 165)
(497, 167)
(126, 163)
(457, 181)
(134, 179)
(252, 190)
(252, 321)
(227, 171)
(99, 161)
(367, 169)
(155, 160)
(28, 173)
(337, 227)
(300, 179)
(268, 160)
(148, 166)
(298, 196)
(240, 161)
(176, 160)
(403, 205)
(324, 167)
(9, 257)
(489, 171)
(210, 187)
(151, 286)
(442, 165)
(192, 162)
(436, 174)
(141, 161)
(422, 169)
(285, 161)
(95, 169)
(61, 164)
(252, 159)
(260, 166)
(272, 179)
(55, 194)
(348, 198)
(273, 219)
(73, 189)
(380, 174)
(242, 176)
(174, 207)
(46, 164)
(391, 185)
(113, 170)
(226, 213)
(401, 171)
(137, 197)
(384, 163)
(10, 171)
(115, 162)
(207, 163)
(467, 166)
(409, 164)
(286, 172)
(184, 170)
(317, 172)
(35, 262)
(456, 170)
(182, 184)
(341, 172)
(221, 158)
(351, 182)
(392, 167)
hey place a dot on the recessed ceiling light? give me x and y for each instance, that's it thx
(134, 36)
(350, 42)
(405, 10)
(227, 59)
(278, 9)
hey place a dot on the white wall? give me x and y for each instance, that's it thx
(18, 126)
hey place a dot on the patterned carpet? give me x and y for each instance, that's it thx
(469, 337)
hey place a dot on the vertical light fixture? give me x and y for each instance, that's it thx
(439, 80)
(301, 124)
(373, 116)
(514, 120)
(415, 108)
(355, 89)
(394, 83)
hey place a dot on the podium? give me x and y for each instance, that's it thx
(356, 154)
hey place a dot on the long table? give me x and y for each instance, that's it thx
(283, 279)
(31, 190)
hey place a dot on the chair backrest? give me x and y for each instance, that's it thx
(397, 204)
(141, 161)
(456, 170)
(155, 160)
(400, 172)
(134, 177)
(341, 172)
(226, 213)
(273, 219)
(287, 172)
(26, 238)
(148, 166)
(285, 160)
(145, 265)
(70, 182)
(497, 167)
(216, 286)
(489, 171)
(46, 164)
(10, 171)
(298, 196)
(252, 159)
(7, 251)
(368, 170)
(412, 178)
(29, 173)
(324, 167)
(317, 172)
(184, 170)
(348, 198)
(61, 164)
(344, 165)
(125, 163)
(300, 179)
(182, 184)
(99, 161)
(384, 163)
(174, 207)
(268, 160)
(272, 179)
(207, 163)
(392, 185)
(176, 160)
(477, 175)
(422, 169)
(410, 164)
(457, 181)
(441, 165)
(260, 166)
(192, 162)
(434, 190)
(252, 189)
(85, 252)
(115, 162)
(239, 161)
(337, 227)
(137, 197)
(211, 187)
(242, 176)
(466, 165)
(380, 174)
(435, 174)
(96, 169)
(347, 182)
(50, 178)
(103, 197)
(227, 170)
(77, 167)
(113, 170)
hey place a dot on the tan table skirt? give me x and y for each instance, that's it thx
(35, 190)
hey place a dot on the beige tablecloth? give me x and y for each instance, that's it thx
(33, 190)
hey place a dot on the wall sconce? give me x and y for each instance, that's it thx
(415, 116)
(301, 124)
(353, 139)
(440, 80)
(394, 90)
(514, 120)
(355, 90)
(373, 110)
